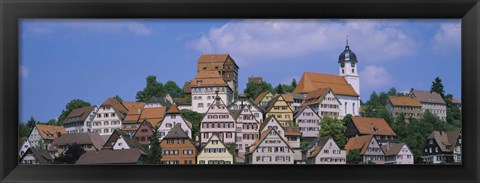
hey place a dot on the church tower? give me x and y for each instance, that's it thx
(348, 67)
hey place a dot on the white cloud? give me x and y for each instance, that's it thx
(23, 71)
(371, 40)
(47, 27)
(375, 76)
(448, 37)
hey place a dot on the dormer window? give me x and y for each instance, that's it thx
(199, 83)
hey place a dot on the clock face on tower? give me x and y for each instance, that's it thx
(342, 64)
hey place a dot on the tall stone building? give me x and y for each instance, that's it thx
(222, 63)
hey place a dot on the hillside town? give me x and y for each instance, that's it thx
(322, 121)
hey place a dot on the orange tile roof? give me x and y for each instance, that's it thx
(315, 96)
(208, 78)
(50, 132)
(455, 101)
(360, 142)
(364, 126)
(173, 109)
(153, 115)
(404, 101)
(287, 97)
(134, 111)
(311, 81)
(260, 97)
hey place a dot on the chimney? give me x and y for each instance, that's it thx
(138, 110)
(356, 137)
(371, 126)
(59, 134)
(388, 146)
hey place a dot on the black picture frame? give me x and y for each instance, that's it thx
(13, 10)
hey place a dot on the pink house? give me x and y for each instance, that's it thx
(246, 127)
(218, 120)
(308, 121)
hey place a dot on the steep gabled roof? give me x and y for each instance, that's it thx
(78, 115)
(428, 96)
(181, 101)
(287, 97)
(272, 102)
(266, 121)
(154, 115)
(118, 107)
(122, 156)
(42, 155)
(360, 142)
(214, 137)
(134, 111)
(390, 149)
(404, 101)
(317, 96)
(173, 110)
(149, 125)
(372, 126)
(49, 132)
(318, 143)
(263, 136)
(445, 139)
(300, 110)
(261, 96)
(311, 81)
(80, 138)
(208, 78)
(176, 133)
(244, 98)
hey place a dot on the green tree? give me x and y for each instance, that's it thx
(173, 89)
(23, 130)
(155, 151)
(294, 83)
(334, 128)
(153, 89)
(31, 123)
(73, 104)
(118, 98)
(437, 86)
(53, 122)
(195, 118)
(71, 155)
(253, 89)
(232, 148)
(346, 119)
(353, 157)
(279, 89)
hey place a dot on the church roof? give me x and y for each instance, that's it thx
(312, 81)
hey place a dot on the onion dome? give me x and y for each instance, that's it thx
(347, 55)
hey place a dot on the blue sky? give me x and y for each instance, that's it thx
(92, 60)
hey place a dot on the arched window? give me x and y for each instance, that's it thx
(353, 108)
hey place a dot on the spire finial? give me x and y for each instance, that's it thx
(347, 39)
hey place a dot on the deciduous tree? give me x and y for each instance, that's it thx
(333, 127)
(73, 104)
(155, 151)
(71, 155)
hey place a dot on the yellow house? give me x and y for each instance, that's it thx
(279, 108)
(263, 98)
(214, 152)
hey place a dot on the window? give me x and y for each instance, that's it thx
(170, 141)
(214, 141)
(200, 105)
(106, 115)
(325, 151)
(181, 141)
(144, 130)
